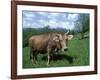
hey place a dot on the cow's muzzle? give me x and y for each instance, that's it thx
(66, 49)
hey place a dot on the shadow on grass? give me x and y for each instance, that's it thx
(56, 57)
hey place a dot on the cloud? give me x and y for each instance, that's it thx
(72, 17)
(42, 13)
(53, 19)
(28, 14)
(43, 22)
(53, 23)
(51, 15)
(35, 25)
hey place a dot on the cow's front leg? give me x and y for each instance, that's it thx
(48, 55)
(56, 51)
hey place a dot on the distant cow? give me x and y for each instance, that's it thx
(47, 43)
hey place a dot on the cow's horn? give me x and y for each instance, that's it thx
(67, 32)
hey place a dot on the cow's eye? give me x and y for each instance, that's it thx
(66, 39)
(60, 40)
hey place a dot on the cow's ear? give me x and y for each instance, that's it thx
(70, 37)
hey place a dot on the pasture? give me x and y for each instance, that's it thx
(77, 55)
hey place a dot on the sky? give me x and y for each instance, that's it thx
(36, 19)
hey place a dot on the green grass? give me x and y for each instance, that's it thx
(77, 55)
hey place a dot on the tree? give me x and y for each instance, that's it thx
(82, 24)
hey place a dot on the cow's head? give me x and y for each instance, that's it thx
(64, 40)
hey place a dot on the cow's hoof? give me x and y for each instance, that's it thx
(36, 62)
(48, 64)
(33, 62)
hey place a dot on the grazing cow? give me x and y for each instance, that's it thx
(47, 43)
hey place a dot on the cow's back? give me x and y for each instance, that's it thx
(38, 41)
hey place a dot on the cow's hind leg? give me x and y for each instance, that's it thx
(32, 58)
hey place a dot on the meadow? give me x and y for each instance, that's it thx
(77, 55)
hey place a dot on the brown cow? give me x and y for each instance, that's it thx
(47, 43)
